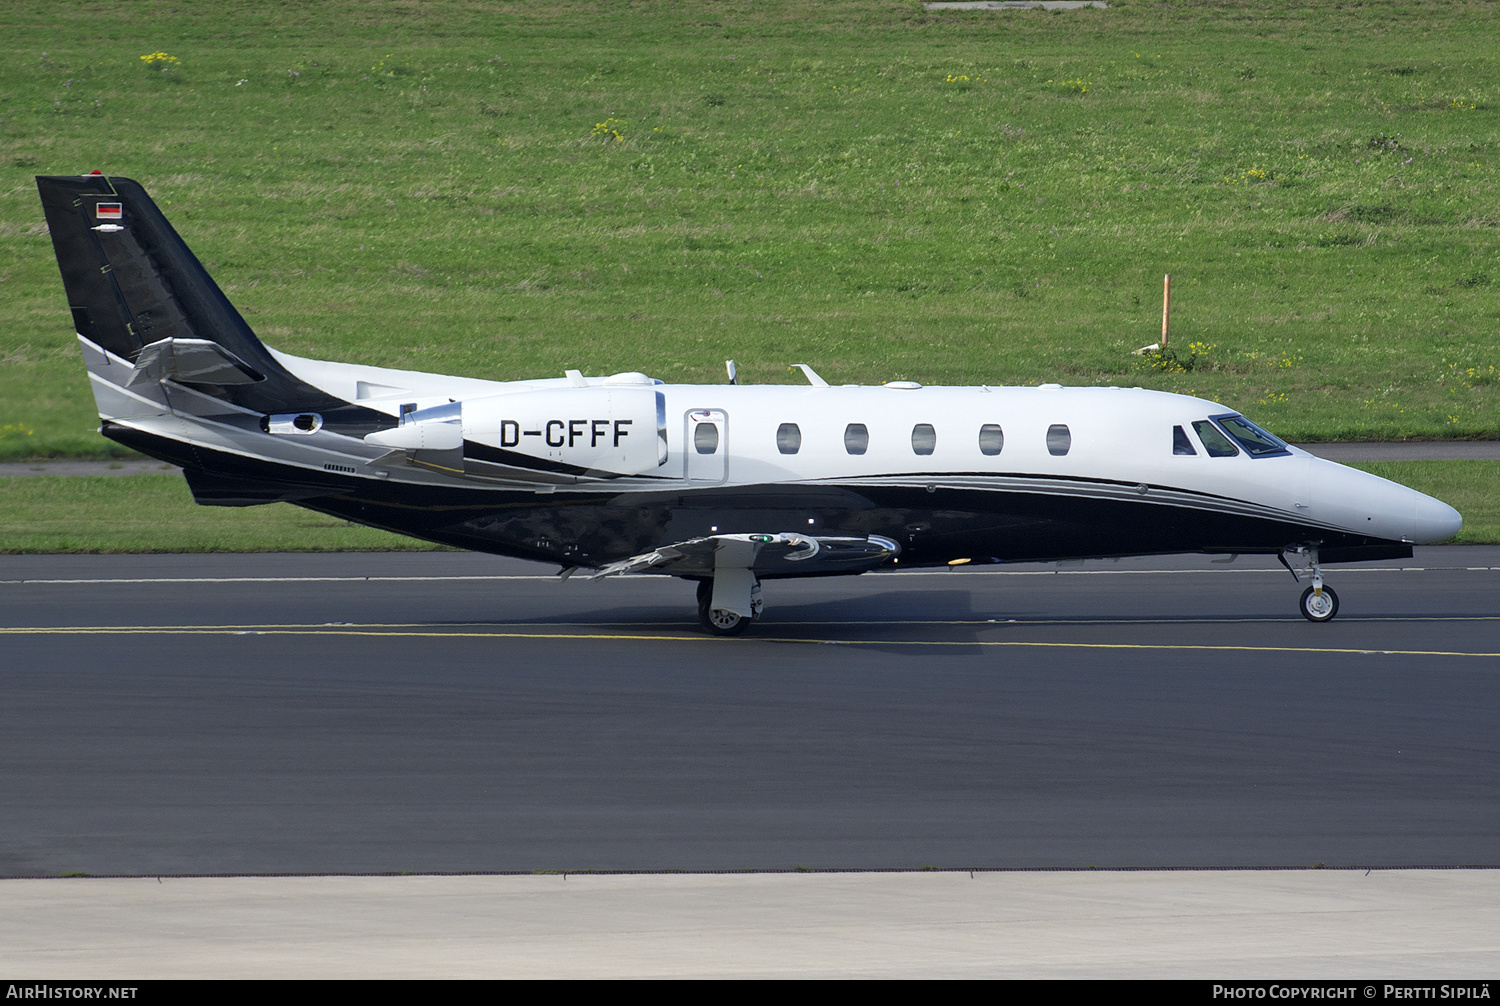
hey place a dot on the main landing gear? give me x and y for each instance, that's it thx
(727, 621)
(1319, 603)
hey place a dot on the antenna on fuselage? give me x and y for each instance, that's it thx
(810, 374)
(734, 375)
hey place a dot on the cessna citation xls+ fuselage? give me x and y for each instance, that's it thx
(725, 485)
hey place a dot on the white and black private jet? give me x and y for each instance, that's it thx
(725, 485)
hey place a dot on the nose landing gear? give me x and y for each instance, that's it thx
(1318, 603)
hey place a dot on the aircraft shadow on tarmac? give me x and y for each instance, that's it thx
(899, 617)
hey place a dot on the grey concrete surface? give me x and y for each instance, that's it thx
(1421, 450)
(22, 469)
(1218, 926)
(449, 712)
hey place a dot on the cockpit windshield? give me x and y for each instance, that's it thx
(1256, 441)
(1217, 445)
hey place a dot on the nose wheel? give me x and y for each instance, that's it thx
(1319, 605)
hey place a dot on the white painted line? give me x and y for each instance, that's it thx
(648, 576)
(283, 579)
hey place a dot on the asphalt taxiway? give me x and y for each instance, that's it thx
(442, 712)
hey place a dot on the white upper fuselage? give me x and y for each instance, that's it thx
(1120, 436)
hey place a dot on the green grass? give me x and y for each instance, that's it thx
(156, 513)
(506, 190)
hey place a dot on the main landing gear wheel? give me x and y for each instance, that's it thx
(718, 621)
(1319, 607)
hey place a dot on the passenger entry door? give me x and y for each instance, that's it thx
(705, 445)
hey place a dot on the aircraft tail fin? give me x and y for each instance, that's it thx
(138, 293)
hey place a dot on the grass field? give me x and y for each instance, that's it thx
(156, 513)
(506, 190)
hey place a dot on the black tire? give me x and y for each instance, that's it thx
(717, 621)
(1319, 609)
(720, 622)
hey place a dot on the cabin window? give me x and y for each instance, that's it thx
(923, 439)
(788, 438)
(1215, 443)
(1256, 441)
(1059, 440)
(705, 438)
(991, 439)
(1180, 442)
(856, 438)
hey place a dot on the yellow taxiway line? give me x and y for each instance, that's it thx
(392, 631)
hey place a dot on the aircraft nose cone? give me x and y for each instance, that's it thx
(1434, 520)
(1363, 502)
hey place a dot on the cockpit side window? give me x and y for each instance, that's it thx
(1180, 442)
(1256, 441)
(1214, 442)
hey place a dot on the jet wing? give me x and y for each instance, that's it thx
(785, 554)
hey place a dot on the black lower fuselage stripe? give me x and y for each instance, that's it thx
(1009, 518)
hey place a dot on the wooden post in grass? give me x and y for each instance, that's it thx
(1166, 303)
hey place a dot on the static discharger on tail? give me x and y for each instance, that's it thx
(725, 485)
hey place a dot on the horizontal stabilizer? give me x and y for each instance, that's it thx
(191, 361)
